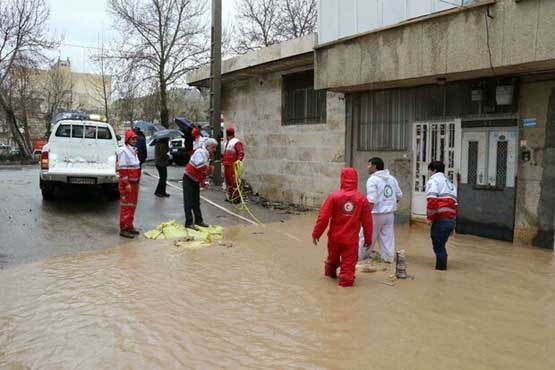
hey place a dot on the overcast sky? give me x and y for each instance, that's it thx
(83, 24)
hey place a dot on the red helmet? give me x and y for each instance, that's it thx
(195, 132)
(230, 131)
(129, 134)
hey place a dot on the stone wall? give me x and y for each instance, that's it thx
(534, 103)
(298, 164)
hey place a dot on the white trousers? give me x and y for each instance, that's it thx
(383, 233)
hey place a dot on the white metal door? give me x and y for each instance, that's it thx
(433, 141)
(481, 151)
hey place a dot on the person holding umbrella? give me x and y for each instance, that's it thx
(161, 160)
(160, 140)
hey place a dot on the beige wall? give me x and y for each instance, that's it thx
(453, 46)
(298, 164)
(534, 99)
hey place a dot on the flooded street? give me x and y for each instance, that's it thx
(262, 302)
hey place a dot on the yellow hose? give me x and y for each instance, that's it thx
(238, 169)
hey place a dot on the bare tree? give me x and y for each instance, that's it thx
(267, 22)
(58, 91)
(102, 92)
(166, 39)
(298, 18)
(128, 87)
(259, 24)
(21, 85)
(23, 38)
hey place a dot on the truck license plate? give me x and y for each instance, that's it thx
(82, 180)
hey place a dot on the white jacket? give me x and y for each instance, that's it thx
(383, 191)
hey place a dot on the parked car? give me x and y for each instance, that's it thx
(15, 152)
(81, 151)
(4, 149)
(179, 151)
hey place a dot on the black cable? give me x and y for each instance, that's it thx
(487, 15)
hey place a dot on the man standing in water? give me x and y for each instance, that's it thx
(383, 193)
(234, 151)
(441, 209)
(193, 179)
(129, 176)
(348, 211)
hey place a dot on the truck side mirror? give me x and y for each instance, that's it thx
(118, 137)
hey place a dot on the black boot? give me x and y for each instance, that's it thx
(441, 263)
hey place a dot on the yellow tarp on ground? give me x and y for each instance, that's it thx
(191, 238)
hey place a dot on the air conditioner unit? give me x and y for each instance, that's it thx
(504, 94)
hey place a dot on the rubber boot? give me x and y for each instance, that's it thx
(441, 263)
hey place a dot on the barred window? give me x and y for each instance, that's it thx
(383, 121)
(301, 104)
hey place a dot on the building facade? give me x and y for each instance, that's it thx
(294, 135)
(59, 89)
(410, 81)
(473, 86)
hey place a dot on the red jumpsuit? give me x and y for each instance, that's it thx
(233, 151)
(348, 210)
(129, 174)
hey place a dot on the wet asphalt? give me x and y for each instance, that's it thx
(80, 220)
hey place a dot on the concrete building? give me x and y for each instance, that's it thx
(294, 135)
(472, 85)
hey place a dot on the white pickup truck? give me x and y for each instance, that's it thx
(82, 152)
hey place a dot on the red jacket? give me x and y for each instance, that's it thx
(348, 210)
(198, 165)
(441, 196)
(233, 151)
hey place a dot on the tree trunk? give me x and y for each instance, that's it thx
(23, 145)
(164, 111)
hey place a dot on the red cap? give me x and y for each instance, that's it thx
(230, 131)
(195, 132)
(129, 134)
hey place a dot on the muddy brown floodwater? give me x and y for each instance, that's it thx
(263, 303)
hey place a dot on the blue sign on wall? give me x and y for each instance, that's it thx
(529, 122)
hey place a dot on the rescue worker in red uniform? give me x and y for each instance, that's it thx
(348, 211)
(129, 176)
(234, 151)
(193, 180)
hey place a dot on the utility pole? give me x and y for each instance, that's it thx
(216, 85)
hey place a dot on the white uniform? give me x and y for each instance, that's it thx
(382, 190)
(199, 142)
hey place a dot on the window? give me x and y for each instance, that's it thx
(104, 133)
(473, 162)
(301, 104)
(90, 132)
(383, 121)
(382, 118)
(77, 131)
(501, 164)
(63, 131)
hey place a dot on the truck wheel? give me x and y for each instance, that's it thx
(114, 192)
(47, 190)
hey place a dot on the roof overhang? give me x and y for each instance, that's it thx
(283, 57)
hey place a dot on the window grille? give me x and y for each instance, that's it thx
(501, 168)
(301, 104)
(472, 162)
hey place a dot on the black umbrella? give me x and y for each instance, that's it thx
(164, 134)
(145, 126)
(184, 124)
